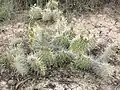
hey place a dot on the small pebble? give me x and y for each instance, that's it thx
(2, 71)
(2, 83)
(12, 82)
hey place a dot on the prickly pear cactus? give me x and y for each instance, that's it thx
(63, 59)
(78, 45)
(36, 64)
(35, 12)
(82, 62)
(61, 42)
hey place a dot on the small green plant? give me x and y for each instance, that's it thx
(35, 12)
(36, 64)
(3, 58)
(51, 15)
(6, 8)
(38, 38)
(78, 45)
(20, 64)
(103, 70)
(16, 57)
(61, 42)
(69, 34)
(46, 14)
(82, 62)
(63, 59)
(45, 55)
(52, 4)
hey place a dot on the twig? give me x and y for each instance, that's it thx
(20, 83)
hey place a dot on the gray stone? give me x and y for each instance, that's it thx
(11, 82)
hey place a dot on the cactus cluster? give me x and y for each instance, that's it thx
(49, 13)
(53, 45)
